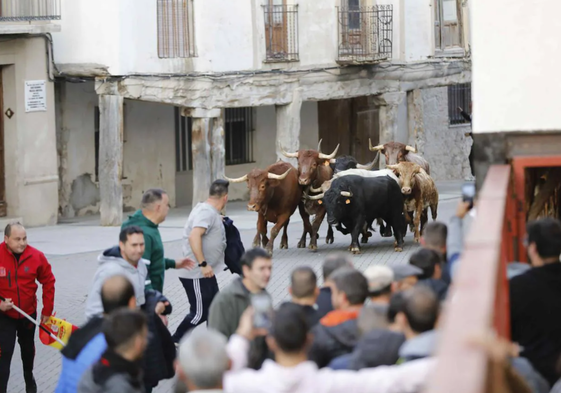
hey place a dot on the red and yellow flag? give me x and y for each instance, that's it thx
(60, 328)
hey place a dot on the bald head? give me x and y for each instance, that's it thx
(303, 283)
(15, 237)
(421, 308)
(117, 292)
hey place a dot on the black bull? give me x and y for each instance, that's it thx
(353, 201)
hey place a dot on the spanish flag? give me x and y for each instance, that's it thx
(58, 327)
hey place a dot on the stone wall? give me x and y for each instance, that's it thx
(445, 147)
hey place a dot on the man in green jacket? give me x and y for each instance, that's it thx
(153, 211)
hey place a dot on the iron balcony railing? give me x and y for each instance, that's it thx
(365, 33)
(281, 32)
(29, 10)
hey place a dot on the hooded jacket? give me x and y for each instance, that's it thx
(153, 250)
(112, 374)
(111, 264)
(18, 281)
(333, 341)
(306, 377)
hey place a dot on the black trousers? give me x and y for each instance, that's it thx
(24, 330)
(200, 292)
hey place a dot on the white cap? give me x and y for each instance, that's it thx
(379, 277)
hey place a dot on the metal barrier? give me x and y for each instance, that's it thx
(478, 300)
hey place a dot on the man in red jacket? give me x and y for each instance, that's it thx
(20, 267)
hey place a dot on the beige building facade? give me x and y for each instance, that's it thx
(28, 144)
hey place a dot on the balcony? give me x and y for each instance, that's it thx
(365, 34)
(29, 10)
(29, 16)
(281, 32)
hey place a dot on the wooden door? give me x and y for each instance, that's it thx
(3, 205)
(334, 123)
(448, 32)
(276, 29)
(366, 125)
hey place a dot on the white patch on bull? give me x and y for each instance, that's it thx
(367, 173)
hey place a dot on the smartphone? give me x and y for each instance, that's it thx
(263, 310)
(468, 193)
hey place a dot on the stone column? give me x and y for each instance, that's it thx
(288, 128)
(389, 107)
(111, 159)
(218, 149)
(415, 119)
(201, 150)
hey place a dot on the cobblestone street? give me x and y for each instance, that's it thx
(72, 250)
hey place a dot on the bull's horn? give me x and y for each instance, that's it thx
(289, 155)
(333, 161)
(319, 145)
(312, 189)
(237, 180)
(329, 157)
(411, 149)
(278, 177)
(374, 148)
(371, 165)
(391, 166)
(347, 194)
(315, 197)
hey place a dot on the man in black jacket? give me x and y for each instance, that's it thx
(535, 299)
(337, 332)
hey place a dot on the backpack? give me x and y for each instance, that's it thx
(234, 247)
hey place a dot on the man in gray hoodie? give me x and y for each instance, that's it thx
(125, 259)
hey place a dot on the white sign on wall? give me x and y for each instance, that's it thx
(35, 96)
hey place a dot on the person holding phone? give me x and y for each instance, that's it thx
(229, 305)
(455, 240)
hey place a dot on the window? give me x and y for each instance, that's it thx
(447, 24)
(97, 118)
(281, 31)
(238, 126)
(354, 14)
(176, 30)
(183, 128)
(459, 96)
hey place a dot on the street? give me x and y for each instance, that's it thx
(72, 249)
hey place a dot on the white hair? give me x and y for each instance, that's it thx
(203, 358)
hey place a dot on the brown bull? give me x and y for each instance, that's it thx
(420, 193)
(397, 152)
(313, 170)
(274, 194)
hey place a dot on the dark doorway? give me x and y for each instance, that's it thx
(350, 122)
